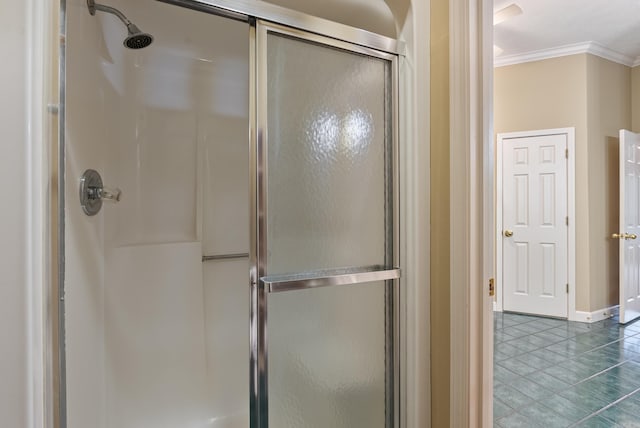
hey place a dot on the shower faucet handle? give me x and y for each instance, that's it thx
(92, 192)
(104, 193)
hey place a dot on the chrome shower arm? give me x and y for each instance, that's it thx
(135, 39)
(93, 6)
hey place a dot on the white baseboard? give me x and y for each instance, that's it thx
(595, 316)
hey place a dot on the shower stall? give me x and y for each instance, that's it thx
(229, 219)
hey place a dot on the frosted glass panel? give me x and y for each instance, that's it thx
(327, 357)
(327, 157)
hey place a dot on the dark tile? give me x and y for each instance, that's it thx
(532, 327)
(504, 375)
(545, 380)
(583, 370)
(523, 344)
(533, 361)
(588, 341)
(597, 422)
(550, 372)
(586, 401)
(564, 332)
(617, 415)
(564, 375)
(501, 336)
(550, 356)
(627, 370)
(516, 420)
(536, 340)
(618, 350)
(511, 397)
(550, 322)
(515, 331)
(630, 406)
(635, 326)
(517, 367)
(567, 408)
(548, 337)
(545, 416)
(606, 392)
(594, 364)
(505, 348)
(500, 409)
(568, 348)
(635, 397)
(530, 388)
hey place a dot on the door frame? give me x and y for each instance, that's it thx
(414, 91)
(262, 286)
(571, 206)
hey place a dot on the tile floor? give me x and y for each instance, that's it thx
(554, 373)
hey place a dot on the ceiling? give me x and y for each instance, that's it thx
(546, 28)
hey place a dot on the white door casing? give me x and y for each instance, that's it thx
(534, 224)
(629, 226)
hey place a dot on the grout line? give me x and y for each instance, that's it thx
(606, 407)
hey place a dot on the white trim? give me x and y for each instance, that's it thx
(498, 232)
(595, 316)
(36, 178)
(571, 213)
(461, 123)
(592, 48)
(468, 61)
(414, 91)
(489, 211)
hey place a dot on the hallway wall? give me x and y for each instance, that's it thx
(13, 216)
(440, 214)
(593, 95)
(551, 94)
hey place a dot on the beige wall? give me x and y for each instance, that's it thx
(440, 290)
(592, 95)
(551, 94)
(635, 99)
(608, 111)
(13, 293)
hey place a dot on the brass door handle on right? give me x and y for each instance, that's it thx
(624, 235)
(508, 233)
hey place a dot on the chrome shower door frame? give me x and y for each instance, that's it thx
(261, 283)
(299, 25)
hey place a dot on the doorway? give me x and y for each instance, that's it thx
(216, 206)
(535, 195)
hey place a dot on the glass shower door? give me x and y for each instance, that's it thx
(325, 250)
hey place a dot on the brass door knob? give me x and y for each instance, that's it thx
(630, 236)
(508, 233)
(618, 235)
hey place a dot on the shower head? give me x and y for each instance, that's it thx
(136, 39)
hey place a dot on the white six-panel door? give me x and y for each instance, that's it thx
(630, 226)
(534, 220)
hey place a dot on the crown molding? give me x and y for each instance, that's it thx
(592, 48)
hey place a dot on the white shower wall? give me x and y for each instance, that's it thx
(154, 336)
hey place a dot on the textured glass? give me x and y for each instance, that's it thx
(327, 357)
(327, 157)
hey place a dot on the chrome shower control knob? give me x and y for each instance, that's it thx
(92, 192)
